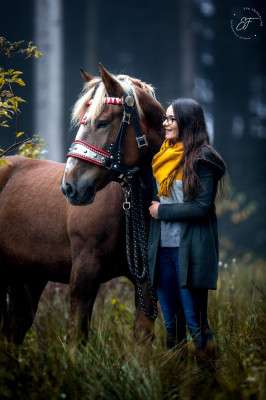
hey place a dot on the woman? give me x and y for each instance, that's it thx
(183, 240)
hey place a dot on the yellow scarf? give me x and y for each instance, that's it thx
(165, 166)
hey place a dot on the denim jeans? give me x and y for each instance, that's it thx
(180, 307)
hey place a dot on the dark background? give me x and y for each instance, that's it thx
(185, 49)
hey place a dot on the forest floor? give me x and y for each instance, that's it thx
(112, 366)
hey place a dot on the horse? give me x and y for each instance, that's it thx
(77, 235)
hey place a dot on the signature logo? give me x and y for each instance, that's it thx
(246, 24)
(243, 24)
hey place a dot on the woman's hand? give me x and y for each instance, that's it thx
(153, 209)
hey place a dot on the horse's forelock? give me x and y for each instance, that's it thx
(86, 95)
(98, 98)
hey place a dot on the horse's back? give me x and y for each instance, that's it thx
(28, 169)
(28, 180)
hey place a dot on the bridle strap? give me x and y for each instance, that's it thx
(117, 147)
(112, 159)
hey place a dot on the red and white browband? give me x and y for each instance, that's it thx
(107, 100)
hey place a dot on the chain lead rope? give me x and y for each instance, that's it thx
(139, 268)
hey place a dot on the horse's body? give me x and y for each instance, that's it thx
(44, 238)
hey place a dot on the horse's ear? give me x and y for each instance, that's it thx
(112, 86)
(85, 76)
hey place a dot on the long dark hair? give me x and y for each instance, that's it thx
(193, 133)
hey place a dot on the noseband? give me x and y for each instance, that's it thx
(112, 159)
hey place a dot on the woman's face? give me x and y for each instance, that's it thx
(170, 125)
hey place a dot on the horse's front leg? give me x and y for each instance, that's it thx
(83, 291)
(22, 307)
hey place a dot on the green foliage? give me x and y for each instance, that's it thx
(17, 48)
(111, 366)
(9, 102)
(3, 161)
(33, 149)
(236, 209)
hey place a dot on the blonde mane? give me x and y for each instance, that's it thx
(98, 104)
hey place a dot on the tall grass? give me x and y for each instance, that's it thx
(112, 366)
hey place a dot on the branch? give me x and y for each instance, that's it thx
(16, 111)
(15, 145)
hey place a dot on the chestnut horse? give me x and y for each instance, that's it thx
(45, 238)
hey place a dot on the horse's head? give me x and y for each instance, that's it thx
(120, 130)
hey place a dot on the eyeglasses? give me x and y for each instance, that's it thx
(170, 120)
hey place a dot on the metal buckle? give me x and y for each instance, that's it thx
(108, 163)
(126, 204)
(126, 118)
(142, 139)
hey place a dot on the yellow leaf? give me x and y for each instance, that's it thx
(4, 124)
(20, 99)
(19, 134)
(20, 82)
(4, 162)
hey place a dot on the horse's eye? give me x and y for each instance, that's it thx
(102, 124)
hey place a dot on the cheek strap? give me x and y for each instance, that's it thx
(112, 159)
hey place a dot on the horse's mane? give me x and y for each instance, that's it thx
(98, 99)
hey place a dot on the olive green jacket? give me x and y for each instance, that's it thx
(198, 249)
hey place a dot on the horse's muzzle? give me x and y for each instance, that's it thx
(80, 195)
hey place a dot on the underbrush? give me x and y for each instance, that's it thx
(112, 366)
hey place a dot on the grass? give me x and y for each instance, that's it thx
(112, 366)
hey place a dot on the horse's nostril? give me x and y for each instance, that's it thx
(67, 189)
(78, 195)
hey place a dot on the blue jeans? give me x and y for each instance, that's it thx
(180, 307)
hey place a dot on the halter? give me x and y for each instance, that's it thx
(112, 159)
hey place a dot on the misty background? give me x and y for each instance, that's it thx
(185, 48)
